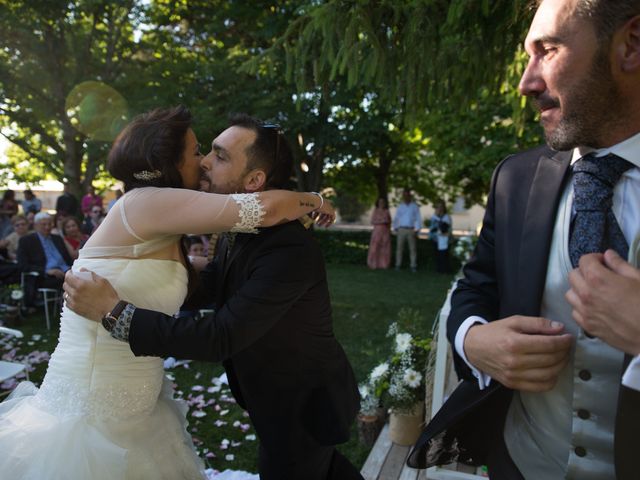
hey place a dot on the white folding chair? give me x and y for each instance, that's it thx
(50, 296)
(11, 369)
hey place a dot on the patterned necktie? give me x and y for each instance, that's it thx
(213, 244)
(595, 228)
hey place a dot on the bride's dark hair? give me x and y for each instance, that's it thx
(148, 150)
(147, 153)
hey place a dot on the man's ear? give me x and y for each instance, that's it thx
(255, 180)
(629, 48)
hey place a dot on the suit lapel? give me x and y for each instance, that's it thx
(537, 231)
(238, 246)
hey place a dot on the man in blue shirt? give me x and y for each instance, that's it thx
(406, 224)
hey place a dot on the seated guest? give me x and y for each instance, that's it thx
(73, 236)
(58, 221)
(30, 216)
(93, 220)
(45, 254)
(195, 246)
(10, 242)
(31, 203)
(8, 208)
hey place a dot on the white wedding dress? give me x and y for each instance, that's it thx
(101, 412)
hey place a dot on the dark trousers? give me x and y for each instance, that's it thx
(442, 261)
(320, 463)
(32, 284)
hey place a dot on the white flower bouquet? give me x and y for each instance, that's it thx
(464, 248)
(399, 382)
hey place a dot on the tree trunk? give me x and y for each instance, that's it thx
(381, 174)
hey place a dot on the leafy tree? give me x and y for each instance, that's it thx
(49, 48)
(413, 52)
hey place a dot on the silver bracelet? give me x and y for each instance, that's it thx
(321, 201)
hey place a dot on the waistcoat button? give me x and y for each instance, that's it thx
(584, 414)
(580, 451)
(585, 375)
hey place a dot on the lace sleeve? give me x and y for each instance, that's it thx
(251, 212)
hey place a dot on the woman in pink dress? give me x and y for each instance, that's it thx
(380, 244)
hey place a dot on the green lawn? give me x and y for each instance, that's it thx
(365, 302)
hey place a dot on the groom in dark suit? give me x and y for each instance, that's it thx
(542, 398)
(272, 326)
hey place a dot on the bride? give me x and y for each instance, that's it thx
(102, 413)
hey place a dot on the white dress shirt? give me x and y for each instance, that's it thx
(626, 208)
(407, 216)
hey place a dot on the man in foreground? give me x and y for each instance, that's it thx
(542, 397)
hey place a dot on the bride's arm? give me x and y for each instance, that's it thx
(157, 211)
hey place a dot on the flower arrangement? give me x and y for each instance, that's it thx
(464, 248)
(12, 293)
(399, 382)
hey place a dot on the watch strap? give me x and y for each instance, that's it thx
(110, 319)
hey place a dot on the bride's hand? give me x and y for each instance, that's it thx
(325, 216)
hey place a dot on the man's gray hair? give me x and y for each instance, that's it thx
(607, 15)
(41, 216)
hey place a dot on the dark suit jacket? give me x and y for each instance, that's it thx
(505, 277)
(273, 331)
(31, 256)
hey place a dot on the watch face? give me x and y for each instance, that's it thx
(108, 322)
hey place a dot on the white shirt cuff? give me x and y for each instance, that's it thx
(631, 377)
(483, 379)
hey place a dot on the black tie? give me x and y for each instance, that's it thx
(595, 228)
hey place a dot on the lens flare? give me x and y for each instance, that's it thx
(97, 110)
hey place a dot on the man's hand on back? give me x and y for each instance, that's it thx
(91, 298)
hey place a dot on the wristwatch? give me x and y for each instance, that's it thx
(110, 319)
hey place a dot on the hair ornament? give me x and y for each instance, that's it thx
(146, 175)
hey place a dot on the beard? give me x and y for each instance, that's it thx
(592, 109)
(232, 186)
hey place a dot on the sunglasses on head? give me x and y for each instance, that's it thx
(278, 129)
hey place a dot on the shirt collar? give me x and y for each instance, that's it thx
(628, 149)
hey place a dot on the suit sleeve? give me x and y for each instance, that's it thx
(476, 294)
(277, 279)
(25, 254)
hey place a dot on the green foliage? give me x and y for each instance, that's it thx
(373, 96)
(415, 53)
(50, 48)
